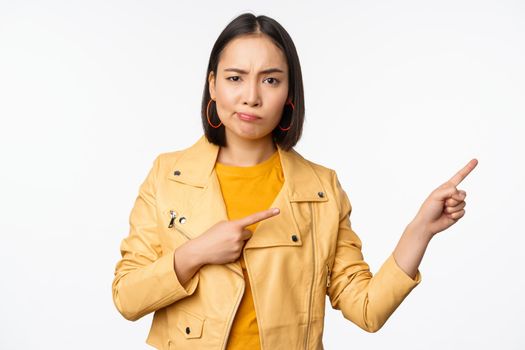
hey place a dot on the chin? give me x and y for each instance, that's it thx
(252, 134)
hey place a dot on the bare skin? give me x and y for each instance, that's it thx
(252, 78)
(243, 84)
(442, 208)
(226, 239)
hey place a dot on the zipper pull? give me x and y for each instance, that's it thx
(328, 273)
(173, 216)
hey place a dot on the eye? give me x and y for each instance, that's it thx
(235, 76)
(276, 81)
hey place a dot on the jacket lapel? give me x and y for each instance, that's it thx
(195, 167)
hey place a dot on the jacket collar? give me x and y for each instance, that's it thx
(196, 165)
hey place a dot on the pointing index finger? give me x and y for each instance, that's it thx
(256, 217)
(462, 174)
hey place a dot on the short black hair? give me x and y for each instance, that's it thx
(248, 23)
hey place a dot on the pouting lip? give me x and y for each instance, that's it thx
(248, 115)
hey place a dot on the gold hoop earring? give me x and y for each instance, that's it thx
(208, 116)
(291, 122)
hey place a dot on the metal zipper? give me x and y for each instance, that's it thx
(173, 215)
(328, 274)
(312, 233)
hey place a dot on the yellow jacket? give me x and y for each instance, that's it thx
(294, 259)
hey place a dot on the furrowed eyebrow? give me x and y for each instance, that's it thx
(265, 71)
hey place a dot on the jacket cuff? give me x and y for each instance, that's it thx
(167, 273)
(398, 276)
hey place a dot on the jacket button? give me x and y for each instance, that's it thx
(177, 172)
(182, 220)
(294, 238)
(320, 194)
(188, 330)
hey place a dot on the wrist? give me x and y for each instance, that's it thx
(195, 253)
(419, 230)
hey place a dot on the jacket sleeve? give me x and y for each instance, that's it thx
(145, 278)
(365, 299)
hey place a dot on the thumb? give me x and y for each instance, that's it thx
(246, 234)
(442, 193)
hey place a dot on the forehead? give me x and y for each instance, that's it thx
(252, 52)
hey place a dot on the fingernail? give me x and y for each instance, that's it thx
(275, 210)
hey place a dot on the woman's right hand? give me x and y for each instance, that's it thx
(223, 242)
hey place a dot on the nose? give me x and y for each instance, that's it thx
(251, 93)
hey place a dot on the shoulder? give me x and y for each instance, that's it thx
(330, 181)
(165, 160)
(328, 177)
(326, 174)
(321, 170)
(169, 157)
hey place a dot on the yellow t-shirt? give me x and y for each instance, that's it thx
(247, 190)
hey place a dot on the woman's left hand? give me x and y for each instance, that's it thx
(445, 205)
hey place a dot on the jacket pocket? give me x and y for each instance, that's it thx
(188, 325)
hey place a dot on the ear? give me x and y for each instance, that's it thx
(211, 84)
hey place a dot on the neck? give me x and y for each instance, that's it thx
(245, 152)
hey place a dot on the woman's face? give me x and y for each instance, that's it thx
(252, 79)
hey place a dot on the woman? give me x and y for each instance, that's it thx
(235, 242)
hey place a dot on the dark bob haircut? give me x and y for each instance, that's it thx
(244, 24)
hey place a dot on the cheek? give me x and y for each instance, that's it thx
(276, 103)
(280, 95)
(226, 95)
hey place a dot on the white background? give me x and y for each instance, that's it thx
(399, 96)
